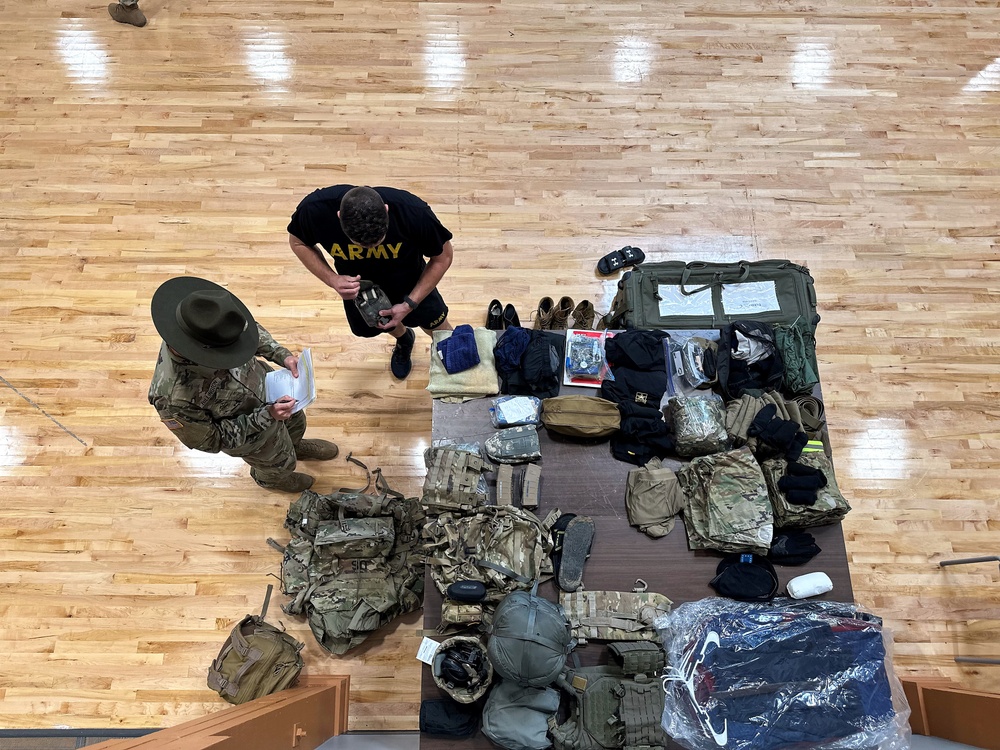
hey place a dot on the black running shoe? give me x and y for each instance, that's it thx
(400, 363)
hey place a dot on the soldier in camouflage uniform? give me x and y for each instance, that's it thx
(208, 386)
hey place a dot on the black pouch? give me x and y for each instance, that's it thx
(448, 718)
(369, 301)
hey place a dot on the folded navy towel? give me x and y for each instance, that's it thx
(458, 351)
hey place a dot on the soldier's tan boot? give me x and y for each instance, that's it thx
(127, 14)
(560, 316)
(584, 315)
(543, 317)
(294, 482)
(316, 450)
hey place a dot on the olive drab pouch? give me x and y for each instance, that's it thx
(581, 416)
(370, 300)
(257, 659)
(678, 295)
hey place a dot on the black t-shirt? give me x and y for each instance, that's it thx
(396, 264)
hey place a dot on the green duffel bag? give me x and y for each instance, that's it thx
(697, 295)
(257, 659)
(581, 416)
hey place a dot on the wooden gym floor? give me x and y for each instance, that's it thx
(858, 138)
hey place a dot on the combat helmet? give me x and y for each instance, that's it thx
(462, 669)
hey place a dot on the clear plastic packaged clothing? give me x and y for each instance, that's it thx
(803, 674)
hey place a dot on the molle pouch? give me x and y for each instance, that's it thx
(461, 614)
(356, 537)
(369, 301)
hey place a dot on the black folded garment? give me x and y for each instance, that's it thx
(783, 435)
(746, 577)
(793, 547)
(449, 718)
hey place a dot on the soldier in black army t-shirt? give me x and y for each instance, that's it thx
(381, 235)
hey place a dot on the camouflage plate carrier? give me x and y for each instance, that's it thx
(504, 547)
(452, 481)
(615, 706)
(614, 615)
(353, 563)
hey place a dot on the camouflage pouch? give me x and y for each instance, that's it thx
(369, 301)
(461, 614)
(514, 445)
(356, 537)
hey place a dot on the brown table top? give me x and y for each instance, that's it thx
(583, 478)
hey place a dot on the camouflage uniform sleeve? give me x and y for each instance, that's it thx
(270, 349)
(199, 430)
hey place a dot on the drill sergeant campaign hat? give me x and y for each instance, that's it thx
(204, 323)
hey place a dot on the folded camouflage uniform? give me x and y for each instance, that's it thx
(830, 505)
(727, 503)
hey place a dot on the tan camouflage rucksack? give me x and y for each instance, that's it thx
(353, 563)
(504, 547)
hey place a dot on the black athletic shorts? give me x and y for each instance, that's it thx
(430, 313)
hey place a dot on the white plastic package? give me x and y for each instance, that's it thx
(512, 411)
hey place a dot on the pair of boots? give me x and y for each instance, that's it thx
(559, 317)
(306, 450)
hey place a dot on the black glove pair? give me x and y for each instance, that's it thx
(801, 483)
(783, 435)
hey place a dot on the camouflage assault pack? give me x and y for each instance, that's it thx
(353, 563)
(614, 615)
(619, 705)
(257, 659)
(504, 547)
(452, 481)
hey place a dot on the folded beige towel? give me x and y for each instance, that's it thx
(476, 382)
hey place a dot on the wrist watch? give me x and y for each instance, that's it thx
(410, 302)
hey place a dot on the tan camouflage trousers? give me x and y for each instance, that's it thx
(272, 456)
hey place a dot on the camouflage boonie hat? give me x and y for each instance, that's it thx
(462, 669)
(514, 445)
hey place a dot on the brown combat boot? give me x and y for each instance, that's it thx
(316, 450)
(543, 318)
(584, 315)
(294, 482)
(560, 317)
(127, 14)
